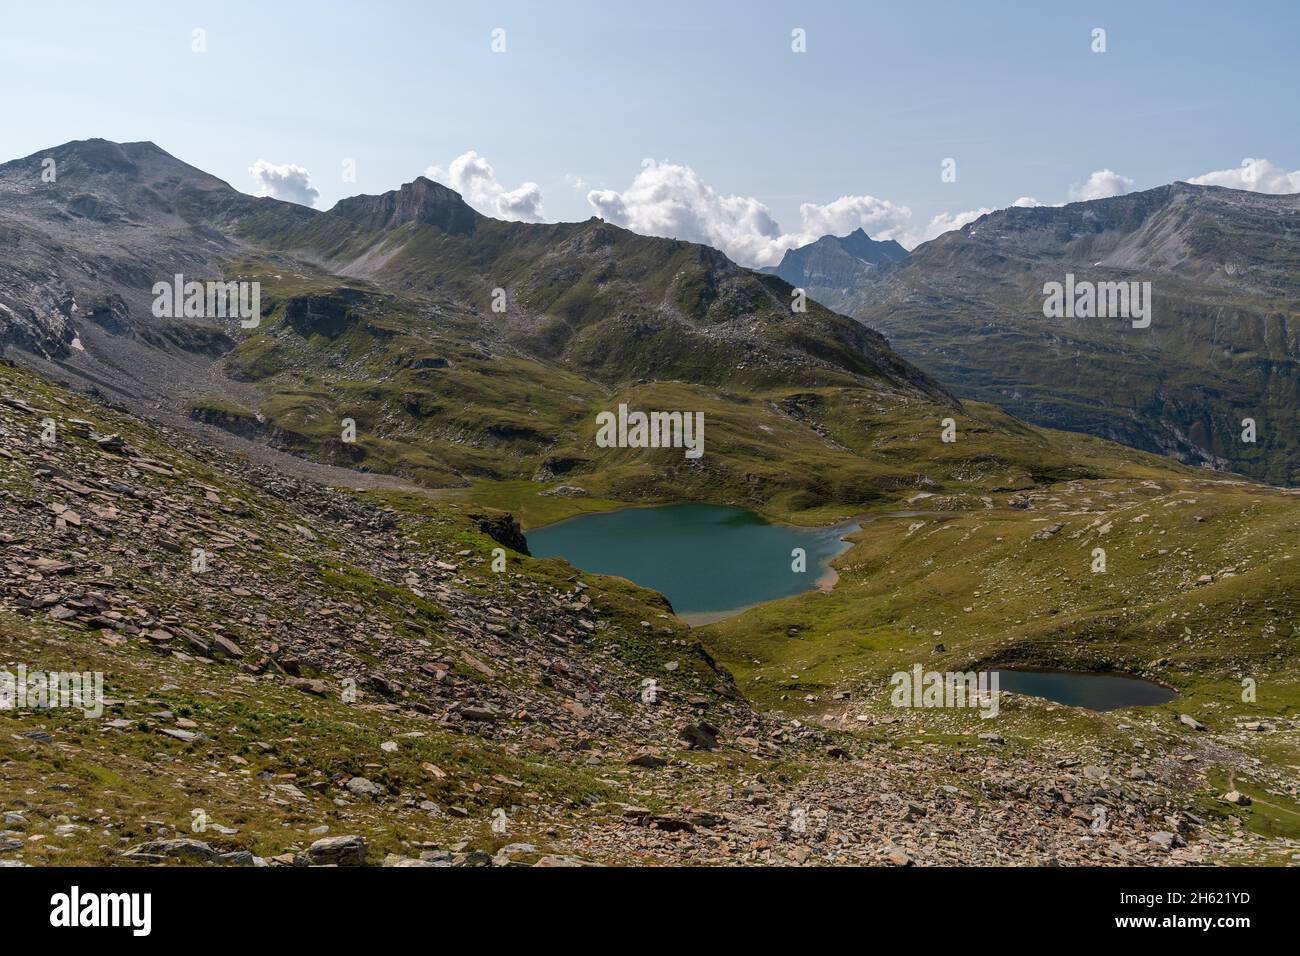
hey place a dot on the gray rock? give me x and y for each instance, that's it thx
(511, 849)
(184, 735)
(700, 736)
(179, 849)
(338, 851)
(226, 646)
(310, 686)
(647, 759)
(565, 491)
(361, 787)
(405, 861)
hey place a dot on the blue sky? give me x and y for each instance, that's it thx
(745, 130)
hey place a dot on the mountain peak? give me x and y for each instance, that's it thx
(861, 246)
(837, 262)
(106, 168)
(421, 201)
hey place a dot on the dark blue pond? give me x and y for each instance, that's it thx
(1092, 691)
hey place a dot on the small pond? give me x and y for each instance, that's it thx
(1092, 691)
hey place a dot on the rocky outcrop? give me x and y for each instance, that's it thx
(504, 529)
(422, 201)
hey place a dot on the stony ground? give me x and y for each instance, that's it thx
(297, 674)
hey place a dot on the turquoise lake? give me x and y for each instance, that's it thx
(707, 560)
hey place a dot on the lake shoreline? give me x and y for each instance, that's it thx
(827, 573)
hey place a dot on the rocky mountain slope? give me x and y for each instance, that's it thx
(89, 227)
(466, 349)
(88, 246)
(347, 680)
(401, 286)
(323, 657)
(1223, 344)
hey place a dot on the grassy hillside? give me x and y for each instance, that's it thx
(479, 691)
(440, 396)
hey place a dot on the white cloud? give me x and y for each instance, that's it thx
(1102, 184)
(672, 200)
(473, 177)
(288, 181)
(948, 221)
(881, 218)
(669, 199)
(1255, 175)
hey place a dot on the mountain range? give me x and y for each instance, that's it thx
(1223, 345)
(405, 308)
(464, 348)
(297, 549)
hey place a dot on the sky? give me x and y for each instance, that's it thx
(695, 119)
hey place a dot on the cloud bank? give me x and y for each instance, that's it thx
(1255, 175)
(473, 177)
(672, 200)
(669, 199)
(948, 221)
(1102, 184)
(287, 181)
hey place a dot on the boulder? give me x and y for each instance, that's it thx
(338, 851)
